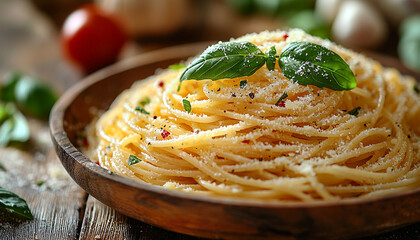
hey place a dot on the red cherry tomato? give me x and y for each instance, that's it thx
(92, 38)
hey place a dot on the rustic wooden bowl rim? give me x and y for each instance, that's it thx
(59, 134)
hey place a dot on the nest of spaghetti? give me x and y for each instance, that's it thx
(237, 140)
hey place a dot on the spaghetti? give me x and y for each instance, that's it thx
(237, 142)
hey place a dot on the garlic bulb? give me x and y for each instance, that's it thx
(359, 25)
(327, 9)
(148, 17)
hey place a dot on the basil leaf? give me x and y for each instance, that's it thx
(311, 64)
(14, 203)
(133, 160)
(33, 97)
(355, 111)
(176, 66)
(145, 101)
(416, 89)
(187, 105)
(140, 109)
(271, 58)
(243, 83)
(282, 97)
(225, 60)
(7, 90)
(14, 126)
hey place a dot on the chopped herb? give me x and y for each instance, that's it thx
(140, 109)
(133, 160)
(243, 83)
(416, 89)
(187, 105)
(40, 183)
(14, 204)
(145, 101)
(177, 66)
(355, 111)
(282, 97)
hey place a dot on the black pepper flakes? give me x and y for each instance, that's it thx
(233, 95)
(251, 95)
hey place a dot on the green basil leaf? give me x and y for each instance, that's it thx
(145, 101)
(416, 89)
(243, 83)
(33, 97)
(311, 64)
(225, 60)
(133, 160)
(355, 111)
(271, 58)
(187, 105)
(177, 66)
(14, 127)
(7, 90)
(282, 97)
(140, 109)
(14, 203)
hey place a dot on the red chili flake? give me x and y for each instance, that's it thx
(97, 162)
(285, 36)
(281, 104)
(165, 133)
(246, 141)
(85, 142)
(161, 84)
(274, 131)
(230, 102)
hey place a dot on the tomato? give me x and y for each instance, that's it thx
(92, 38)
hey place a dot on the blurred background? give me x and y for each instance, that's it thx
(31, 31)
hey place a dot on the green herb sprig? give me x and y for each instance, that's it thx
(14, 204)
(302, 62)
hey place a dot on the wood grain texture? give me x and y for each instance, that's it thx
(210, 217)
(56, 204)
(103, 222)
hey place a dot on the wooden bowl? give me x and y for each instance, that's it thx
(198, 215)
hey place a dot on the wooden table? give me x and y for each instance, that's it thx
(61, 209)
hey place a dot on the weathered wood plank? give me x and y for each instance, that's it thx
(103, 222)
(56, 204)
